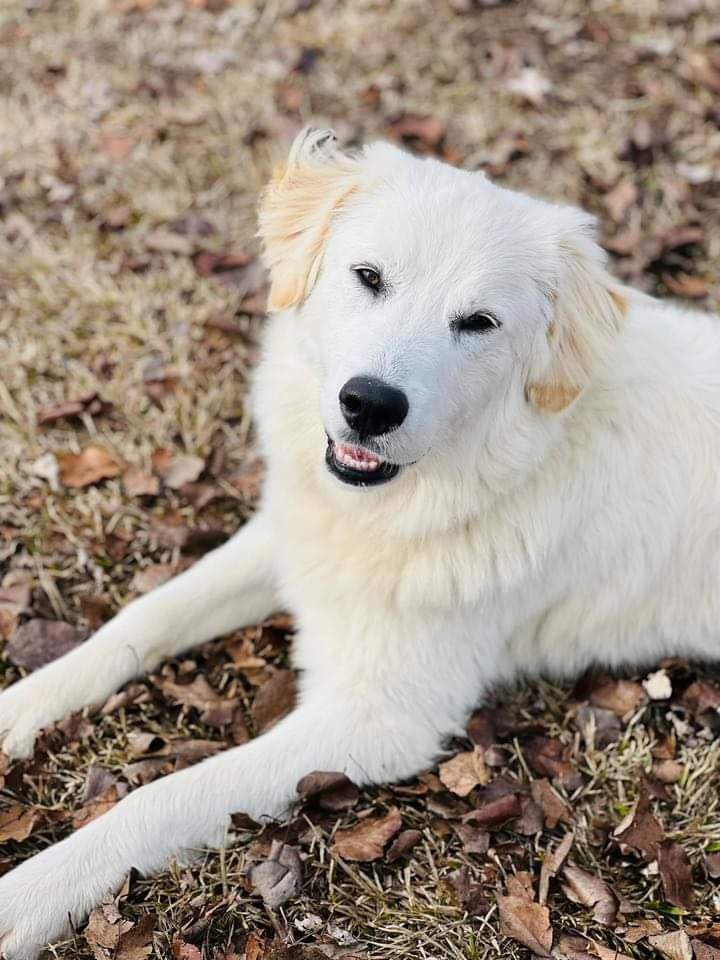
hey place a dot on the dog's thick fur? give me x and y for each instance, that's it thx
(558, 504)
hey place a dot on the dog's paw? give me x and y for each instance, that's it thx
(25, 708)
(41, 898)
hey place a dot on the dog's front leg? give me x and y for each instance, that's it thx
(231, 587)
(372, 735)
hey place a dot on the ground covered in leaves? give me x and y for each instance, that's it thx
(137, 134)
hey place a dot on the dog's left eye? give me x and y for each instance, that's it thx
(369, 278)
(479, 322)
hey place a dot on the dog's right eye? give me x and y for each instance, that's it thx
(369, 278)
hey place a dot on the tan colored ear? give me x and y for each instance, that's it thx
(588, 310)
(296, 210)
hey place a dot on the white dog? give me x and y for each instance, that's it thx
(484, 457)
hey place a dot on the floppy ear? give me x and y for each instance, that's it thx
(296, 210)
(587, 311)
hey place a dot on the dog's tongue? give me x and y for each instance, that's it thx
(356, 457)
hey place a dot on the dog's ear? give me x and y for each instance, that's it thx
(586, 314)
(296, 210)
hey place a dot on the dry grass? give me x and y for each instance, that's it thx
(174, 108)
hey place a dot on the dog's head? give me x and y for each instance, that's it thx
(429, 301)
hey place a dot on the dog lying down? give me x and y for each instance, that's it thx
(484, 458)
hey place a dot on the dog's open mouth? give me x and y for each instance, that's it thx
(357, 466)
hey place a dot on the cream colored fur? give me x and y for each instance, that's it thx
(558, 505)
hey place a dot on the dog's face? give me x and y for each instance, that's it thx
(429, 301)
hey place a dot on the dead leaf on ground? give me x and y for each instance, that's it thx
(668, 771)
(590, 891)
(177, 469)
(672, 946)
(686, 285)
(551, 865)
(619, 200)
(703, 951)
(181, 950)
(274, 700)
(620, 696)
(549, 758)
(330, 791)
(137, 944)
(554, 808)
(640, 830)
(137, 483)
(91, 465)
(676, 874)
(424, 134)
(18, 822)
(527, 923)
(403, 844)
(598, 726)
(148, 578)
(493, 813)
(38, 642)
(214, 709)
(462, 773)
(89, 403)
(279, 878)
(640, 929)
(96, 807)
(366, 840)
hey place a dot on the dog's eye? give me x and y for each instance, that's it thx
(369, 278)
(479, 322)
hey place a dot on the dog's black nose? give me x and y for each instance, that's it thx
(372, 407)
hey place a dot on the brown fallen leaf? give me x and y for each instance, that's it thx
(526, 922)
(279, 878)
(18, 822)
(702, 700)
(684, 285)
(521, 885)
(712, 865)
(402, 845)
(274, 700)
(668, 771)
(184, 951)
(549, 758)
(137, 483)
(554, 808)
(672, 946)
(640, 830)
(91, 465)
(531, 819)
(199, 695)
(151, 577)
(620, 696)
(96, 808)
(590, 891)
(462, 773)
(366, 840)
(703, 951)
(38, 642)
(89, 403)
(573, 947)
(495, 812)
(177, 469)
(551, 865)
(598, 726)
(474, 839)
(619, 200)
(642, 928)
(137, 943)
(472, 897)
(330, 791)
(423, 134)
(676, 874)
